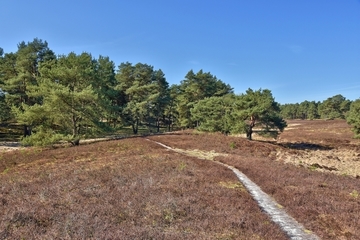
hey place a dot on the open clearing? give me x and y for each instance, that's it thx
(136, 189)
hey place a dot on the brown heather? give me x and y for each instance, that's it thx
(125, 189)
(136, 189)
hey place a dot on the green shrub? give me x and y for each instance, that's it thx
(44, 137)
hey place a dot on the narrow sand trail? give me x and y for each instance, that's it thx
(289, 225)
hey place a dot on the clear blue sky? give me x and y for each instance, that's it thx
(299, 49)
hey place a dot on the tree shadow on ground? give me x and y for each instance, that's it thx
(300, 145)
(305, 146)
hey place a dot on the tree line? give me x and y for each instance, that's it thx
(336, 107)
(331, 108)
(73, 96)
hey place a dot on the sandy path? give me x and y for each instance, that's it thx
(9, 146)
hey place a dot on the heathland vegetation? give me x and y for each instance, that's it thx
(133, 188)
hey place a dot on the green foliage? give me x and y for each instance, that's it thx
(304, 110)
(104, 85)
(239, 114)
(20, 71)
(69, 95)
(44, 137)
(69, 104)
(334, 107)
(353, 117)
(170, 112)
(194, 88)
(331, 108)
(259, 109)
(5, 111)
(214, 114)
(145, 91)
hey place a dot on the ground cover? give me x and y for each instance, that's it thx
(135, 189)
(124, 189)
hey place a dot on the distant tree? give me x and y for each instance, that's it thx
(259, 109)
(334, 107)
(214, 114)
(194, 88)
(312, 110)
(289, 110)
(303, 110)
(145, 92)
(240, 114)
(162, 98)
(308, 110)
(353, 117)
(104, 85)
(170, 112)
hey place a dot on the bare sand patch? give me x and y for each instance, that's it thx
(9, 146)
(338, 161)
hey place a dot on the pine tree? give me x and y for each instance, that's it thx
(353, 117)
(20, 75)
(240, 113)
(70, 106)
(145, 92)
(194, 88)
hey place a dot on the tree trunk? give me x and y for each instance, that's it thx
(27, 130)
(250, 131)
(158, 124)
(169, 123)
(135, 126)
(76, 142)
(74, 131)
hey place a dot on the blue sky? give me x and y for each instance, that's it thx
(299, 49)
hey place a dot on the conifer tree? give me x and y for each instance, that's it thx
(145, 92)
(70, 106)
(194, 88)
(353, 117)
(240, 113)
(20, 75)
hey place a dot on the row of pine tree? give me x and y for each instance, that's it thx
(68, 97)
